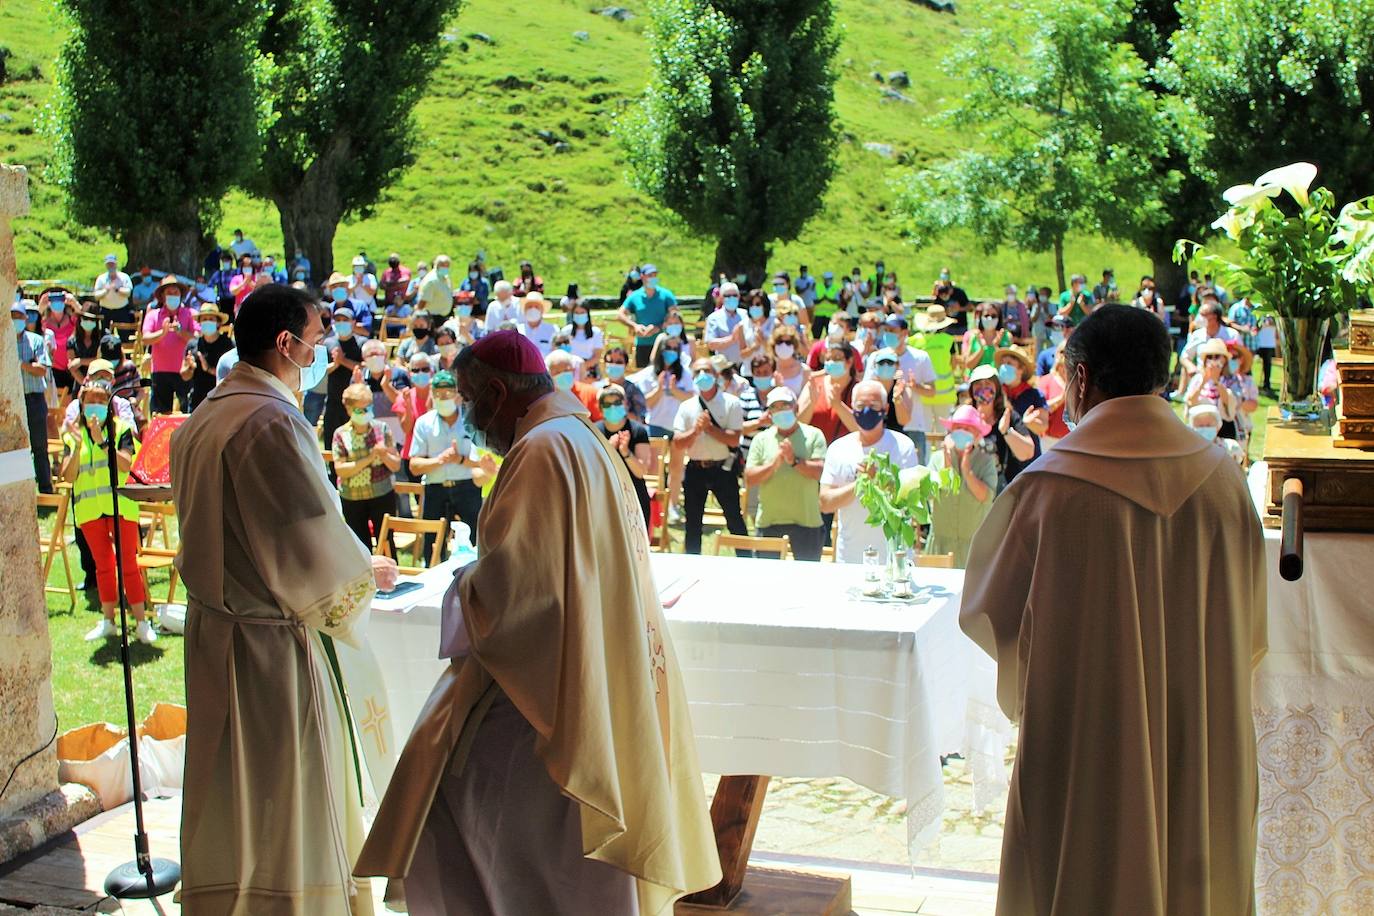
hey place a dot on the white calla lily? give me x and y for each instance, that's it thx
(1250, 196)
(1296, 179)
(910, 478)
(1232, 222)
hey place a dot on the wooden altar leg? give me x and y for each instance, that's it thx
(735, 814)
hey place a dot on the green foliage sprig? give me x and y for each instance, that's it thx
(899, 499)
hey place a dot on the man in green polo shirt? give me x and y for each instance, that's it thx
(644, 311)
(785, 463)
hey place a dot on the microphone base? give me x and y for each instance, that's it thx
(128, 883)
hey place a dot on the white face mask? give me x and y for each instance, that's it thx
(376, 363)
(533, 315)
(784, 350)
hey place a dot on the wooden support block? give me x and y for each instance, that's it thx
(735, 814)
(768, 892)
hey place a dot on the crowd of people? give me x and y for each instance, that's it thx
(782, 390)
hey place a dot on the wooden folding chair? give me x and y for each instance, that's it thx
(150, 556)
(657, 484)
(935, 560)
(392, 525)
(56, 541)
(737, 542)
(828, 553)
(415, 492)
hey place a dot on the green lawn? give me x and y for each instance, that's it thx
(483, 180)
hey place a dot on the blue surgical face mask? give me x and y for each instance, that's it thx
(779, 288)
(886, 370)
(961, 438)
(614, 414)
(420, 377)
(1008, 374)
(343, 328)
(446, 407)
(172, 302)
(634, 275)
(891, 340)
(361, 419)
(563, 381)
(763, 382)
(566, 348)
(869, 418)
(615, 370)
(673, 330)
(209, 328)
(785, 419)
(650, 283)
(1207, 432)
(443, 272)
(464, 311)
(89, 325)
(731, 303)
(580, 318)
(756, 312)
(472, 275)
(96, 412)
(669, 357)
(1235, 365)
(704, 381)
(315, 371)
(834, 368)
(20, 324)
(339, 294)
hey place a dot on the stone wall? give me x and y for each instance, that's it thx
(26, 707)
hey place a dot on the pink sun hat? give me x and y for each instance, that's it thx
(967, 416)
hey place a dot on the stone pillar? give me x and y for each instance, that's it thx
(33, 808)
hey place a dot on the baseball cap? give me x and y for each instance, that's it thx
(111, 259)
(779, 394)
(344, 312)
(99, 365)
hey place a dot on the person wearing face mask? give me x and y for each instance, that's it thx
(243, 246)
(644, 311)
(532, 324)
(528, 281)
(412, 403)
(1095, 567)
(84, 344)
(203, 354)
(630, 441)
(554, 611)
(1013, 444)
(562, 368)
(34, 365)
(300, 266)
(707, 432)
(1015, 371)
(435, 295)
(112, 290)
(585, 338)
(362, 291)
(982, 343)
(443, 457)
(96, 513)
(781, 296)
(245, 282)
(785, 463)
(840, 327)
(395, 280)
(847, 458)
(785, 314)
(1017, 317)
(1060, 330)
(276, 585)
(466, 327)
(757, 327)
(954, 517)
(221, 281)
(1205, 420)
(421, 339)
(826, 302)
(365, 461)
(168, 327)
(143, 289)
(785, 348)
(1149, 300)
(914, 380)
(447, 340)
(1238, 380)
(476, 284)
(615, 371)
(386, 382)
(633, 281)
(57, 326)
(725, 326)
(1052, 385)
(345, 348)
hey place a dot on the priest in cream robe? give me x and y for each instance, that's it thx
(1119, 585)
(271, 813)
(553, 769)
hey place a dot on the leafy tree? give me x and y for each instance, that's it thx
(132, 143)
(342, 80)
(1063, 134)
(736, 131)
(1262, 83)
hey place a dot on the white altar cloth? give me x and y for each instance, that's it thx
(788, 674)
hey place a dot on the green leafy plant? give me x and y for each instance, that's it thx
(1297, 258)
(899, 499)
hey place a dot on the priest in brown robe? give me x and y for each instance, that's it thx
(553, 769)
(1119, 585)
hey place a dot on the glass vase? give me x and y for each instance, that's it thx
(898, 569)
(1302, 361)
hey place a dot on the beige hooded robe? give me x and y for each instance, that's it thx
(564, 618)
(271, 815)
(1119, 585)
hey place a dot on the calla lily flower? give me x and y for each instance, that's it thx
(910, 478)
(1296, 179)
(1250, 196)
(1232, 222)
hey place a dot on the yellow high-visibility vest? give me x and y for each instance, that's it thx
(91, 494)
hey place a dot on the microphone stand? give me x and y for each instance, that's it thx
(144, 877)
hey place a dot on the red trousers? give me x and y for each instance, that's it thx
(99, 533)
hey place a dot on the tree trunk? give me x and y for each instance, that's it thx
(736, 256)
(1059, 263)
(1170, 277)
(310, 212)
(172, 243)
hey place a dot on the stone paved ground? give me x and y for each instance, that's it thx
(837, 819)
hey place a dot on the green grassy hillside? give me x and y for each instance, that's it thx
(484, 180)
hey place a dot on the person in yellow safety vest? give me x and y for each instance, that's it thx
(827, 301)
(97, 509)
(931, 337)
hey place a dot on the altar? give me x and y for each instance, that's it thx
(789, 672)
